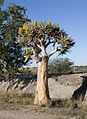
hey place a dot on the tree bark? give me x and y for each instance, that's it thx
(42, 90)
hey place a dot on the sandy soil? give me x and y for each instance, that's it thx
(32, 112)
(27, 112)
(24, 115)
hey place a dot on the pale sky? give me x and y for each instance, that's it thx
(71, 15)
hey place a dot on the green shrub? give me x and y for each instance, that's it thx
(60, 66)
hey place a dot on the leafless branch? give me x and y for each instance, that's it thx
(26, 59)
(54, 51)
(35, 55)
(39, 46)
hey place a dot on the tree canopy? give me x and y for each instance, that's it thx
(60, 66)
(37, 37)
(11, 19)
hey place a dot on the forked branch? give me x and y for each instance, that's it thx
(53, 52)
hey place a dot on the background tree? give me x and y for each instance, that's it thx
(60, 66)
(1, 3)
(37, 37)
(11, 56)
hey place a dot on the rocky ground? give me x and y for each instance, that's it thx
(60, 87)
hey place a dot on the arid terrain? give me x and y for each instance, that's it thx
(61, 87)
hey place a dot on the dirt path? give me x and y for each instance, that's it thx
(27, 115)
(32, 112)
(24, 115)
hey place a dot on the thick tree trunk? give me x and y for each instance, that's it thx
(42, 90)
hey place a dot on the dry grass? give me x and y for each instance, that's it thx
(59, 107)
(60, 103)
(68, 108)
(16, 98)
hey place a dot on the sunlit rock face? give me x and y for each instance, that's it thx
(59, 87)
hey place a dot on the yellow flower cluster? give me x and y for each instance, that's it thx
(48, 23)
(27, 51)
(24, 29)
(20, 30)
(34, 23)
(19, 39)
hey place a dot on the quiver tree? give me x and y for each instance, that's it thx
(37, 37)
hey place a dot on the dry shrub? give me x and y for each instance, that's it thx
(54, 103)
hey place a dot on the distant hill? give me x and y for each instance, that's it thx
(79, 69)
(33, 70)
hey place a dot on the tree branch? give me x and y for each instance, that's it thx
(35, 55)
(54, 51)
(39, 46)
(42, 47)
(26, 58)
(50, 42)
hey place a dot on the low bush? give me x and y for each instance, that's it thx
(60, 66)
(60, 103)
